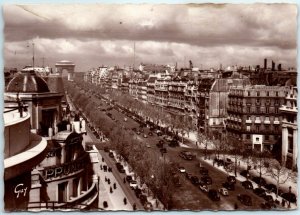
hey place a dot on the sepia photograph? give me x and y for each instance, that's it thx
(150, 107)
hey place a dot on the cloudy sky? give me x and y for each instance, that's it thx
(94, 35)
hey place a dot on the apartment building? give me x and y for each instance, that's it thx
(253, 115)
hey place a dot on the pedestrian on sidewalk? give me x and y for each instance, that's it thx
(134, 206)
(124, 180)
(125, 201)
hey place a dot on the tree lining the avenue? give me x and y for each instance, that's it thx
(146, 165)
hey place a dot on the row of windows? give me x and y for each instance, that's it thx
(256, 110)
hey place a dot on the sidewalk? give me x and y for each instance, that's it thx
(157, 205)
(115, 200)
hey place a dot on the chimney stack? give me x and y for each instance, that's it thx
(279, 67)
(273, 66)
(265, 63)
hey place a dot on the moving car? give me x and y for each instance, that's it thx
(148, 206)
(223, 191)
(195, 180)
(204, 188)
(231, 179)
(206, 179)
(163, 150)
(203, 171)
(213, 195)
(245, 199)
(260, 192)
(228, 185)
(160, 144)
(145, 136)
(186, 155)
(181, 169)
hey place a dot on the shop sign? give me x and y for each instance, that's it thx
(66, 169)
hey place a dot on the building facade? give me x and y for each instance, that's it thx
(289, 113)
(253, 115)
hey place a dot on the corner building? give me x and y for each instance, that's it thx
(254, 117)
(289, 113)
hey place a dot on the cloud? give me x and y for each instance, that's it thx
(162, 32)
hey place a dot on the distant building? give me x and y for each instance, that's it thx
(43, 105)
(216, 109)
(289, 113)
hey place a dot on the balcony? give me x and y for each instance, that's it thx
(267, 122)
(83, 201)
(257, 121)
(276, 122)
(249, 121)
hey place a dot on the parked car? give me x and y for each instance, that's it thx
(245, 173)
(259, 181)
(204, 188)
(223, 191)
(195, 180)
(173, 143)
(206, 179)
(133, 184)
(143, 199)
(228, 185)
(260, 192)
(231, 179)
(138, 132)
(268, 198)
(129, 178)
(145, 136)
(111, 154)
(203, 171)
(245, 199)
(186, 155)
(148, 145)
(247, 185)
(137, 192)
(188, 175)
(106, 149)
(291, 197)
(213, 195)
(271, 187)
